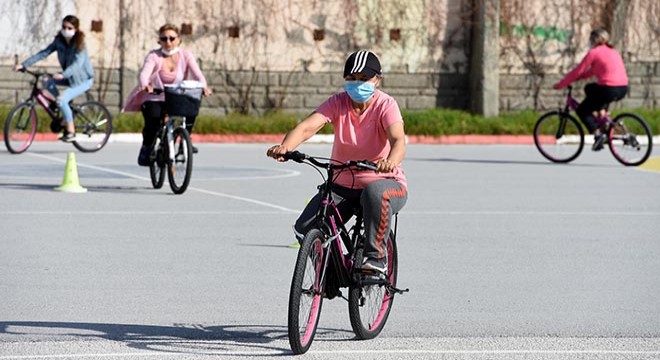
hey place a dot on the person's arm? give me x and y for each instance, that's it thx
(40, 55)
(194, 70)
(582, 71)
(303, 131)
(397, 138)
(150, 63)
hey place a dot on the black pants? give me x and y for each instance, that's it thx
(597, 98)
(153, 113)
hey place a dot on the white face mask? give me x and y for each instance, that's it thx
(170, 52)
(68, 34)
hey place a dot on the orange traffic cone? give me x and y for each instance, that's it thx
(70, 182)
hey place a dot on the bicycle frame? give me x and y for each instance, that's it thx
(603, 121)
(168, 127)
(338, 238)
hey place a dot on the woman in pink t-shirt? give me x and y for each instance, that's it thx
(368, 126)
(169, 64)
(606, 64)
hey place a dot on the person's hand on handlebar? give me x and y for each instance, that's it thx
(149, 89)
(18, 67)
(277, 151)
(385, 166)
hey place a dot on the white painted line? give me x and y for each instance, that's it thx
(345, 352)
(534, 213)
(234, 197)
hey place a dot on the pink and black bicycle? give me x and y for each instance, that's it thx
(560, 138)
(329, 259)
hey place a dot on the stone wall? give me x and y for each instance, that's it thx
(299, 92)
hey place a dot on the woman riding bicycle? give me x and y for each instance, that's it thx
(77, 72)
(606, 64)
(166, 65)
(367, 126)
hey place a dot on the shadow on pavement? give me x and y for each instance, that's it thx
(198, 339)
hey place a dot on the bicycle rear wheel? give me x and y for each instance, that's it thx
(559, 137)
(93, 124)
(369, 305)
(180, 168)
(20, 128)
(157, 164)
(630, 139)
(306, 295)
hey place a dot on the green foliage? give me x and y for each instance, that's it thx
(432, 122)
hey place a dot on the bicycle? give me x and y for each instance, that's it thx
(172, 147)
(92, 120)
(329, 250)
(560, 138)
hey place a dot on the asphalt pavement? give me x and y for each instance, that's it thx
(506, 255)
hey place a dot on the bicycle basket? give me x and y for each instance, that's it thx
(181, 101)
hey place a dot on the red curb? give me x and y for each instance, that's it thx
(412, 139)
(471, 139)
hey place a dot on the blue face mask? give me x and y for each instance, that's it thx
(360, 91)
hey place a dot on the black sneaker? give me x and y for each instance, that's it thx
(67, 137)
(599, 140)
(143, 158)
(195, 149)
(377, 265)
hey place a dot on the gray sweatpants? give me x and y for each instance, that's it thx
(379, 200)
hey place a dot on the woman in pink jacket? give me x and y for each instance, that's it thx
(606, 64)
(169, 64)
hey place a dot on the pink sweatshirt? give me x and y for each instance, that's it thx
(604, 63)
(151, 75)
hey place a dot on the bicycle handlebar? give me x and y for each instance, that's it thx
(299, 157)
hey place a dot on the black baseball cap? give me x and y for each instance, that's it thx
(362, 62)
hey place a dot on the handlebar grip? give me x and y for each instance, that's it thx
(157, 91)
(365, 164)
(296, 156)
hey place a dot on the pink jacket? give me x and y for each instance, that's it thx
(149, 76)
(604, 63)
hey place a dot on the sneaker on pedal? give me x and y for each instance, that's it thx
(376, 265)
(67, 137)
(143, 158)
(599, 140)
(195, 149)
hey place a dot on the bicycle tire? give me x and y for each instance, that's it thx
(369, 306)
(630, 139)
(93, 124)
(157, 164)
(555, 145)
(20, 128)
(306, 295)
(180, 167)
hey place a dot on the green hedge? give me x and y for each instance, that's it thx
(428, 122)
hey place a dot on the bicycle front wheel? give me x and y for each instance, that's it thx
(93, 124)
(157, 164)
(369, 305)
(630, 139)
(558, 137)
(306, 295)
(20, 128)
(180, 166)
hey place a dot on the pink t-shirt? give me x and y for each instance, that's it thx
(362, 137)
(604, 63)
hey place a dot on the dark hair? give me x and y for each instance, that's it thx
(79, 37)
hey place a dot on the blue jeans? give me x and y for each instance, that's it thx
(69, 94)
